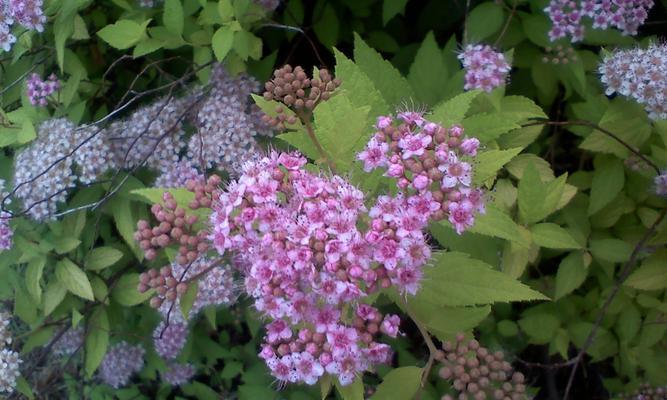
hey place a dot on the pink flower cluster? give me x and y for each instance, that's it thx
(297, 236)
(178, 374)
(6, 232)
(486, 68)
(121, 362)
(39, 90)
(27, 13)
(431, 165)
(170, 339)
(567, 16)
(640, 74)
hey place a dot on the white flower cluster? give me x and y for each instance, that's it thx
(176, 175)
(9, 360)
(640, 74)
(121, 362)
(52, 163)
(227, 122)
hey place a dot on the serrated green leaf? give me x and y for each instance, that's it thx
(247, 45)
(74, 279)
(457, 280)
(571, 274)
(342, 129)
(538, 199)
(173, 16)
(101, 257)
(394, 87)
(540, 328)
(553, 236)
(496, 223)
(487, 127)
(125, 291)
(453, 111)
(97, 339)
(428, 73)
(123, 33)
(490, 162)
(359, 87)
(399, 384)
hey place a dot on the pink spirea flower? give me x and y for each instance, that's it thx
(39, 90)
(435, 178)
(567, 16)
(640, 74)
(297, 237)
(27, 13)
(485, 68)
(121, 362)
(6, 232)
(178, 374)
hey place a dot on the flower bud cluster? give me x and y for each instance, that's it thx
(559, 55)
(477, 373)
(27, 13)
(6, 232)
(227, 122)
(485, 68)
(52, 163)
(121, 362)
(39, 90)
(292, 87)
(178, 374)
(640, 74)
(70, 342)
(9, 359)
(567, 16)
(297, 237)
(178, 225)
(646, 392)
(429, 161)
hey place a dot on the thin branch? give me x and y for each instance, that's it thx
(600, 129)
(625, 272)
(305, 118)
(426, 371)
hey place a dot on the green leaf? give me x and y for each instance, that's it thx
(484, 20)
(488, 127)
(603, 346)
(540, 328)
(101, 257)
(326, 383)
(553, 236)
(507, 328)
(490, 162)
(123, 33)
(247, 45)
(394, 87)
(126, 223)
(612, 250)
(80, 30)
(651, 275)
(353, 391)
(326, 27)
(23, 387)
(359, 88)
(97, 339)
(497, 223)
(457, 280)
(571, 274)
(231, 369)
(453, 111)
(608, 181)
(627, 120)
(125, 291)
(64, 245)
(392, 8)
(63, 28)
(342, 129)
(226, 10)
(74, 279)
(628, 323)
(53, 295)
(222, 42)
(538, 199)
(33, 276)
(147, 46)
(37, 338)
(188, 299)
(173, 16)
(428, 73)
(399, 384)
